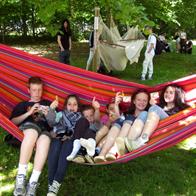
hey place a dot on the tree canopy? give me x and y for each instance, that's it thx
(43, 17)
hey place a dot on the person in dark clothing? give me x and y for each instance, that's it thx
(30, 117)
(66, 124)
(64, 42)
(189, 45)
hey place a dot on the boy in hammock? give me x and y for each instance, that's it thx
(29, 116)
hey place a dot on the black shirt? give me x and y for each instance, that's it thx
(37, 117)
(64, 38)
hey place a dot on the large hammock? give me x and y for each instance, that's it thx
(60, 79)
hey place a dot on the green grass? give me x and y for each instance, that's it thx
(169, 172)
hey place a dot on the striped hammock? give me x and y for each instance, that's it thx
(60, 79)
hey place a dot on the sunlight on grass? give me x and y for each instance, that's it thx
(7, 188)
(188, 144)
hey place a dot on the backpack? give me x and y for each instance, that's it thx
(12, 141)
(159, 46)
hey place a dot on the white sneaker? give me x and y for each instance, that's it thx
(31, 189)
(139, 142)
(20, 186)
(54, 188)
(70, 157)
(89, 144)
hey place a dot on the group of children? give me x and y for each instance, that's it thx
(80, 129)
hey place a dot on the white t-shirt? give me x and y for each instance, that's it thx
(151, 40)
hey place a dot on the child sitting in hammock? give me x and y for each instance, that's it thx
(171, 102)
(94, 133)
(139, 102)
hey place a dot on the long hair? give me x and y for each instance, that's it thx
(179, 98)
(72, 96)
(68, 26)
(132, 107)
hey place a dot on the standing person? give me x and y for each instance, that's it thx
(64, 42)
(29, 116)
(171, 102)
(149, 54)
(91, 52)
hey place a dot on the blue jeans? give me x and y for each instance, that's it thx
(57, 159)
(155, 108)
(124, 119)
(64, 56)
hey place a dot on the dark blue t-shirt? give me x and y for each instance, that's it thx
(38, 118)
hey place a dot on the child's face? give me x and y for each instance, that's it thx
(35, 91)
(72, 104)
(111, 108)
(141, 101)
(169, 94)
(89, 115)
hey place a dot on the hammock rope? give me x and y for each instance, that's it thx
(60, 79)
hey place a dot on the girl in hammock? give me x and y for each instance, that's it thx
(139, 103)
(171, 102)
(65, 123)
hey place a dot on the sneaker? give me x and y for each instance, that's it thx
(128, 144)
(54, 188)
(79, 159)
(89, 159)
(110, 157)
(135, 144)
(143, 78)
(20, 186)
(99, 159)
(51, 194)
(89, 144)
(31, 189)
(149, 77)
(120, 144)
(70, 157)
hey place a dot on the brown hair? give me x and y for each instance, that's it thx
(35, 80)
(132, 106)
(87, 107)
(72, 96)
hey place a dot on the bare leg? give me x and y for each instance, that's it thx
(101, 133)
(42, 148)
(111, 137)
(101, 143)
(136, 129)
(120, 144)
(124, 130)
(151, 124)
(27, 146)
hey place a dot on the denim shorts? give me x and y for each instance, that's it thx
(124, 119)
(30, 125)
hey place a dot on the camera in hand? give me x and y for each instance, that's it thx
(67, 133)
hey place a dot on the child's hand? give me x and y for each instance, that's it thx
(118, 98)
(53, 134)
(55, 103)
(95, 104)
(34, 109)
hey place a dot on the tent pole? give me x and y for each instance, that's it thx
(96, 36)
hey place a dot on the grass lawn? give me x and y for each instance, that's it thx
(166, 173)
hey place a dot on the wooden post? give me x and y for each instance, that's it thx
(96, 26)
